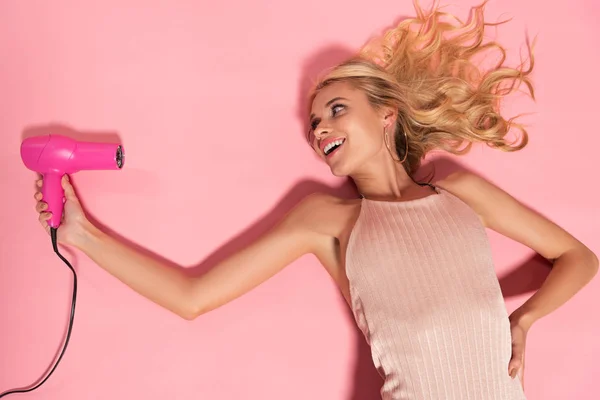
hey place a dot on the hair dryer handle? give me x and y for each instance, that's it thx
(53, 194)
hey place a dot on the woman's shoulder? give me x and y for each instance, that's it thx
(329, 201)
(482, 195)
(469, 186)
(325, 213)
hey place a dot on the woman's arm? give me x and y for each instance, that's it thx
(574, 265)
(190, 297)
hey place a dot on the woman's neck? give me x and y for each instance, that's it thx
(389, 181)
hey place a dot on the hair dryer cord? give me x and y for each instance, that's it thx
(53, 234)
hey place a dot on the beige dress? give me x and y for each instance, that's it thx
(425, 294)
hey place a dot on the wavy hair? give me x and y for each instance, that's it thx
(426, 68)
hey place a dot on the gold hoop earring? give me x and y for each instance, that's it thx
(385, 138)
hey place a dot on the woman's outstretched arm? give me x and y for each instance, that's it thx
(170, 287)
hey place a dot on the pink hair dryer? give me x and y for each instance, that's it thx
(56, 155)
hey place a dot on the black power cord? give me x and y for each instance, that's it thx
(53, 234)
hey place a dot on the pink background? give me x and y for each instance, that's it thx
(205, 97)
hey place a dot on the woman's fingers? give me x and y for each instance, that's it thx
(44, 217)
(40, 206)
(68, 188)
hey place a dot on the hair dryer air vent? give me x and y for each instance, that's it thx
(120, 157)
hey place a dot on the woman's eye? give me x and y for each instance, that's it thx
(336, 108)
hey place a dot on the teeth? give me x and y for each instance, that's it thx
(332, 145)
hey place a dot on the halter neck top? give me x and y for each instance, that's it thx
(424, 292)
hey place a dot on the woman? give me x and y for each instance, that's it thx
(411, 259)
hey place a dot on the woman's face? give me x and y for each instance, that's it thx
(345, 130)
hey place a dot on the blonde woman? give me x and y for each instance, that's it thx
(412, 259)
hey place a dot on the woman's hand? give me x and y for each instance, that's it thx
(518, 330)
(73, 221)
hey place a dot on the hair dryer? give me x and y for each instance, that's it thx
(56, 155)
(53, 156)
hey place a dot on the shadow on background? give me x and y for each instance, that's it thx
(64, 130)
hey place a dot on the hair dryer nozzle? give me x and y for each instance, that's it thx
(97, 156)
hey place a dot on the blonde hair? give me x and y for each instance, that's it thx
(425, 68)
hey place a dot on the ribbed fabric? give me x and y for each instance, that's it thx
(425, 294)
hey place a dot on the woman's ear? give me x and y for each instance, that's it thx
(389, 116)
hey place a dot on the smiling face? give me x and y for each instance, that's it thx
(346, 131)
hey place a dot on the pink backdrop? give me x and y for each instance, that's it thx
(204, 96)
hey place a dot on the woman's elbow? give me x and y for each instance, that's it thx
(594, 262)
(189, 305)
(192, 306)
(590, 260)
(188, 316)
(190, 311)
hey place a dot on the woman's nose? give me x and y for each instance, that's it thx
(322, 131)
